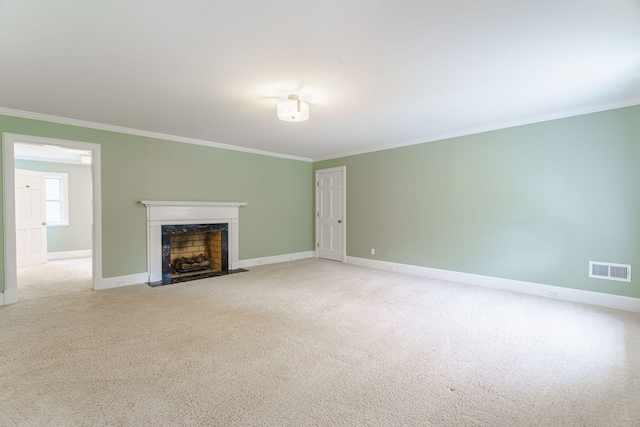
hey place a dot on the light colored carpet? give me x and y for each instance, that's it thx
(315, 342)
(54, 278)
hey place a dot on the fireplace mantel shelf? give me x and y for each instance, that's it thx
(187, 203)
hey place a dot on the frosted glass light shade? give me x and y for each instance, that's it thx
(293, 110)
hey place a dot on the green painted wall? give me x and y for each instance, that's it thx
(533, 203)
(76, 236)
(277, 220)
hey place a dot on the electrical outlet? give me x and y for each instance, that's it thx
(554, 294)
(373, 251)
(391, 267)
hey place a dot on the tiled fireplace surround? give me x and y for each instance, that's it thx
(175, 213)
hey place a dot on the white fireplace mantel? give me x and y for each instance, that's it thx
(161, 213)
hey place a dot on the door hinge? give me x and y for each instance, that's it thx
(317, 214)
(317, 245)
(317, 183)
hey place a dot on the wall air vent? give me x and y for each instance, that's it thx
(609, 271)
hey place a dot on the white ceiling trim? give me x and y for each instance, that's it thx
(504, 125)
(45, 160)
(138, 132)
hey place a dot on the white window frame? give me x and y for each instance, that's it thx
(64, 181)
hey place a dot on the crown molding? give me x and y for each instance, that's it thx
(47, 160)
(563, 114)
(131, 131)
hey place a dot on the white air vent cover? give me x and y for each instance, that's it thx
(609, 271)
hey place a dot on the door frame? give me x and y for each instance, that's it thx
(8, 170)
(343, 170)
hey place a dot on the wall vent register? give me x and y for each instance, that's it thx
(609, 271)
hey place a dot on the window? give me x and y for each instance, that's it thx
(57, 199)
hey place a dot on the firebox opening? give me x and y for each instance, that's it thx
(193, 252)
(193, 249)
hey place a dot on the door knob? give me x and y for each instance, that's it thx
(44, 223)
(339, 221)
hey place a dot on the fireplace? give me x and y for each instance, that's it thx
(189, 249)
(209, 229)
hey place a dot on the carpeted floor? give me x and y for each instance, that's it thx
(54, 278)
(316, 342)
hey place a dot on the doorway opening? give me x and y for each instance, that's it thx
(52, 211)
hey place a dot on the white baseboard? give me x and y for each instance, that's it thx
(134, 279)
(68, 254)
(246, 263)
(568, 294)
(120, 281)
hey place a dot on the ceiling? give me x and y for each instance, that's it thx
(376, 73)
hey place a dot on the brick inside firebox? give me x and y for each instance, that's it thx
(190, 245)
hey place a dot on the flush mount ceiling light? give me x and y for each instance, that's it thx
(293, 110)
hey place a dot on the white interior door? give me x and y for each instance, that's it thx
(31, 221)
(330, 213)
